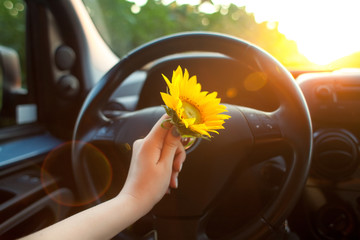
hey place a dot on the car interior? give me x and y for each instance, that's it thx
(286, 166)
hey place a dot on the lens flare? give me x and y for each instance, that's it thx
(255, 81)
(231, 92)
(57, 173)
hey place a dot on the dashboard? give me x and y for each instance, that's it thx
(330, 204)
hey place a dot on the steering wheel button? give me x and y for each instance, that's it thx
(261, 124)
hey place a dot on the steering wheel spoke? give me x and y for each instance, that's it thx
(128, 126)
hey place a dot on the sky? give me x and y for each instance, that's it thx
(324, 30)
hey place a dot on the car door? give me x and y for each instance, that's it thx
(26, 139)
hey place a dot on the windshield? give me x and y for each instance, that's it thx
(301, 34)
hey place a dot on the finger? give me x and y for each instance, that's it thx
(174, 180)
(170, 147)
(158, 132)
(179, 159)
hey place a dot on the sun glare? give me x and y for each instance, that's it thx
(324, 30)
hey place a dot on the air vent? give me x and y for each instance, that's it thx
(336, 154)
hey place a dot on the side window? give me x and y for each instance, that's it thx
(14, 109)
(12, 31)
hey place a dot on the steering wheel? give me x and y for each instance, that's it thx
(248, 133)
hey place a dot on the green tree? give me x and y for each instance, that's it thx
(12, 22)
(12, 35)
(129, 30)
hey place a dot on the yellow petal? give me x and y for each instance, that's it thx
(169, 100)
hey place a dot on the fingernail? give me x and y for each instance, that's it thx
(166, 124)
(168, 191)
(175, 132)
(176, 183)
(180, 168)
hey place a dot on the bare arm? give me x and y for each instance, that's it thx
(155, 164)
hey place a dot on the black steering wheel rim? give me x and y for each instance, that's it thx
(289, 95)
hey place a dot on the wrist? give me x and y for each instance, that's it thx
(139, 207)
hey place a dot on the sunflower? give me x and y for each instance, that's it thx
(195, 113)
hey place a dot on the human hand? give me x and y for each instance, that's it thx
(155, 165)
(156, 162)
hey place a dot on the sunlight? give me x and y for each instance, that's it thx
(323, 30)
(208, 8)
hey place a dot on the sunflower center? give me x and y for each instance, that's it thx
(191, 111)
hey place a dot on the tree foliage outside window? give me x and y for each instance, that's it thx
(12, 30)
(125, 26)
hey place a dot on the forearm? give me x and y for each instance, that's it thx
(100, 222)
(155, 164)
